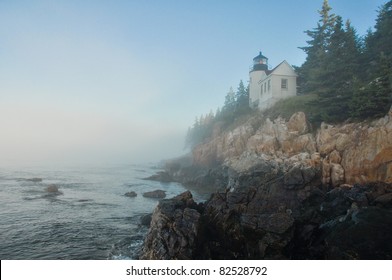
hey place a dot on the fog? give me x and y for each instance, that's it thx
(49, 136)
(87, 82)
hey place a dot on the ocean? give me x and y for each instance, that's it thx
(88, 218)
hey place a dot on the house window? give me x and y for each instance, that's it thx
(261, 92)
(269, 85)
(265, 87)
(284, 84)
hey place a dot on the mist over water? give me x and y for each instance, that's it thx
(87, 218)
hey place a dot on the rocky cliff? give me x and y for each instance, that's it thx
(287, 193)
(345, 153)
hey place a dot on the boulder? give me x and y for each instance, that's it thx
(52, 188)
(155, 194)
(52, 191)
(298, 123)
(173, 231)
(131, 194)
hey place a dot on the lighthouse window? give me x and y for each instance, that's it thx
(284, 84)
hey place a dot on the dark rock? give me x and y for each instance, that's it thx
(35, 180)
(52, 191)
(384, 200)
(161, 176)
(363, 235)
(131, 194)
(293, 178)
(275, 216)
(155, 194)
(52, 188)
(146, 220)
(173, 231)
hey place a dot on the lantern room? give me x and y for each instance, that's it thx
(260, 62)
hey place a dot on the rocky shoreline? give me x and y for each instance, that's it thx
(281, 191)
(268, 218)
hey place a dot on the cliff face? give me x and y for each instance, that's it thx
(346, 153)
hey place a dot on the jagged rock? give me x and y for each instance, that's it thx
(363, 150)
(131, 194)
(173, 230)
(334, 157)
(155, 194)
(145, 220)
(266, 220)
(298, 123)
(337, 174)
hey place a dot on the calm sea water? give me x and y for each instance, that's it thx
(90, 218)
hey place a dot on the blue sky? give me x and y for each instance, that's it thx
(107, 81)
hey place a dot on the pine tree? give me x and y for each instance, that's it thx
(374, 100)
(316, 50)
(374, 97)
(339, 72)
(242, 99)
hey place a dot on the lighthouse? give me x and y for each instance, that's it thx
(266, 86)
(260, 63)
(257, 73)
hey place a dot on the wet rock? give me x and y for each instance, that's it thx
(173, 230)
(161, 176)
(52, 190)
(155, 194)
(145, 220)
(131, 194)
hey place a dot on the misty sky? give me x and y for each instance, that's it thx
(121, 81)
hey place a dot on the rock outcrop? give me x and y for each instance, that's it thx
(155, 194)
(173, 231)
(131, 194)
(266, 219)
(287, 192)
(346, 153)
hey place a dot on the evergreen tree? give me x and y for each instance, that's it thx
(242, 99)
(339, 72)
(228, 109)
(374, 97)
(316, 50)
(374, 100)
(229, 100)
(380, 42)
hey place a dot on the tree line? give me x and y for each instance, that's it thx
(350, 75)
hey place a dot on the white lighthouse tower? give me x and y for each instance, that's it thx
(257, 73)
